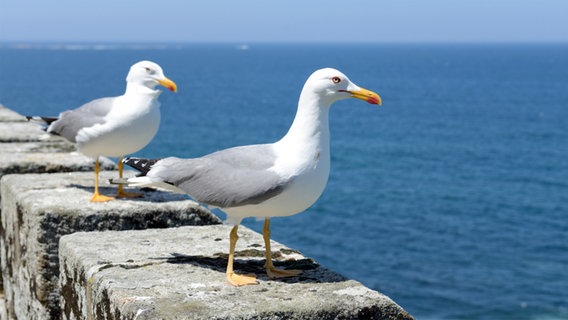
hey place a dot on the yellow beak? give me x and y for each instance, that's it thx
(168, 84)
(366, 95)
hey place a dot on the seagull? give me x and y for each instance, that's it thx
(264, 180)
(116, 126)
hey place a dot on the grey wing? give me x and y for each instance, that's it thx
(229, 178)
(89, 114)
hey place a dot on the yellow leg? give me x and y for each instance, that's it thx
(97, 197)
(272, 271)
(120, 192)
(233, 278)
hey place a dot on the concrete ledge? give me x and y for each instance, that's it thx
(7, 115)
(179, 273)
(24, 132)
(37, 209)
(34, 151)
(46, 157)
(37, 162)
(26, 148)
(49, 146)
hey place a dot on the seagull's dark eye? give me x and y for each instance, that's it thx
(147, 69)
(336, 79)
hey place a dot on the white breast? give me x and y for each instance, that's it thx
(309, 176)
(125, 131)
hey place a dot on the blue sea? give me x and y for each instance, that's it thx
(451, 198)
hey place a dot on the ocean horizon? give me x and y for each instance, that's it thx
(451, 198)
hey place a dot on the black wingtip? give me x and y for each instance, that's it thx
(140, 164)
(43, 120)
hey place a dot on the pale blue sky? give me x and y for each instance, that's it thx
(248, 21)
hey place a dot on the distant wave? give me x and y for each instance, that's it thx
(87, 46)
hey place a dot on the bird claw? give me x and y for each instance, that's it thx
(100, 198)
(239, 280)
(280, 273)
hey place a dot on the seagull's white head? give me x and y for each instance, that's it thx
(149, 74)
(332, 85)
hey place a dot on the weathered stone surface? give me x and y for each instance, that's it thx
(37, 209)
(3, 314)
(25, 148)
(23, 132)
(15, 128)
(41, 153)
(7, 115)
(51, 146)
(36, 162)
(179, 273)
